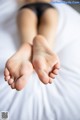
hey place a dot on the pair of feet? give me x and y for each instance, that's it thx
(19, 67)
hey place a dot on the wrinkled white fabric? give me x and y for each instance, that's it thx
(57, 101)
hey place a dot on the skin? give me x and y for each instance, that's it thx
(35, 52)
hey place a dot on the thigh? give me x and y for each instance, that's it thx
(27, 24)
(49, 17)
(28, 16)
(48, 25)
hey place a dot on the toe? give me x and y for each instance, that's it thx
(43, 76)
(55, 71)
(57, 66)
(13, 85)
(10, 81)
(7, 78)
(20, 83)
(6, 72)
(50, 80)
(52, 75)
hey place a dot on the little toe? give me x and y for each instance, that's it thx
(10, 81)
(43, 76)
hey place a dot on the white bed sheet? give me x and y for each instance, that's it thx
(58, 101)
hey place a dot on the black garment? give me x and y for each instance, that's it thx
(38, 8)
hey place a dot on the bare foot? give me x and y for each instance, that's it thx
(19, 68)
(45, 61)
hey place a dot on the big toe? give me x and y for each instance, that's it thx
(43, 76)
(21, 82)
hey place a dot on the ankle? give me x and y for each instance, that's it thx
(25, 50)
(38, 38)
(27, 46)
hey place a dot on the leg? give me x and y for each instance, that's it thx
(45, 61)
(16, 69)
